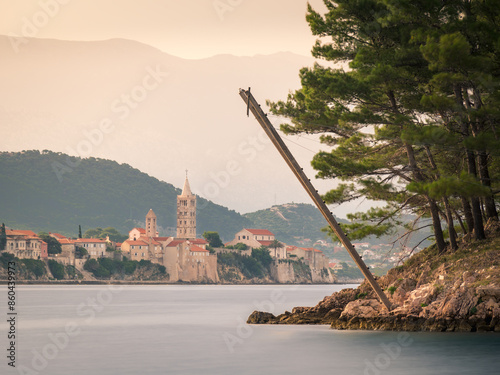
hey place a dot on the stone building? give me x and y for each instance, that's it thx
(25, 244)
(94, 246)
(311, 256)
(253, 238)
(185, 257)
(188, 261)
(186, 213)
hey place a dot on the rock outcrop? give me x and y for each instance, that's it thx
(455, 291)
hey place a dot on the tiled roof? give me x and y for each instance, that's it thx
(135, 243)
(57, 235)
(161, 238)
(260, 232)
(175, 243)
(198, 241)
(90, 240)
(197, 249)
(141, 230)
(25, 233)
(65, 241)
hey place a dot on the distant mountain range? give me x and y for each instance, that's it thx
(164, 113)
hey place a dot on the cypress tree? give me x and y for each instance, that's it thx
(3, 237)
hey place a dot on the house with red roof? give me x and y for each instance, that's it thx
(253, 238)
(94, 246)
(57, 236)
(135, 233)
(24, 244)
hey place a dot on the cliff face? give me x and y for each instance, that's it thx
(454, 291)
(278, 273)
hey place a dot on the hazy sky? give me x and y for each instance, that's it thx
(185, 28)
(191, 29)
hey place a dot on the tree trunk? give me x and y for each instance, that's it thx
(468, 214)
(451, 225)
(436, 221)
(457, 215)
(489, 201)
(436, 225)
(471, 166)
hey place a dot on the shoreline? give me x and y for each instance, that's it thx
(121, 282)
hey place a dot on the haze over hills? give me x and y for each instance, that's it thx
(126, 101)
(94, 193)
(102, 193)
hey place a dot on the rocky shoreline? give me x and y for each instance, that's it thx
(452, 292)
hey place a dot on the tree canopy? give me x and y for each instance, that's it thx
(113, 234)
(413, 120)
(53, 245)
(213, 239)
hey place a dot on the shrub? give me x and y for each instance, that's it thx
(392, 289)
(57, 269)
(91, 265)
(81, 252)
(361, 295)
(37, 267)
(129, 267)
(240, 246)
(6, 258)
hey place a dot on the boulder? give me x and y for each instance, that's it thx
(259, 317)
(362, 308)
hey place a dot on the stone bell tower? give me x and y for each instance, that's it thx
(186, 213)
(151, 224)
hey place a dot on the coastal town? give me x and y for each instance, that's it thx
(185, 257)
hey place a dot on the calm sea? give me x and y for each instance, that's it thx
(72, 330)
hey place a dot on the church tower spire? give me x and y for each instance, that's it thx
(186, 212)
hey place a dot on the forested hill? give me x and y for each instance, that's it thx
(93, 193)
(291, 222)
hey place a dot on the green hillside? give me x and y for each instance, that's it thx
(95, 193)
(291, 222)
(294, 222)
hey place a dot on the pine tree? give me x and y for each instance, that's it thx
(413, 116)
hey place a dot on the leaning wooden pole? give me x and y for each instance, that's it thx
(261, 117)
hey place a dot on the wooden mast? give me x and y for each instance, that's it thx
(254, 107)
